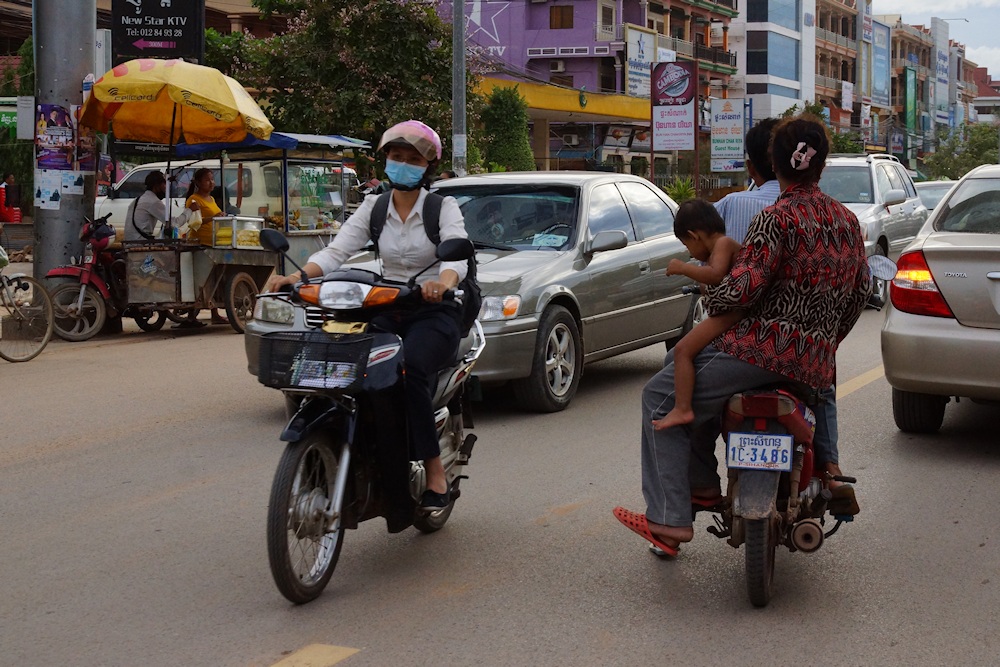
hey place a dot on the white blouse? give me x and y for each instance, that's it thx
(404, 247)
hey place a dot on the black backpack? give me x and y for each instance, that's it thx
(473, 295)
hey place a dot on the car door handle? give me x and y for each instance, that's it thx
(643, 267)
(993, 275)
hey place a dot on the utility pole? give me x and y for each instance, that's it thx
(459, 139)
(64, 36)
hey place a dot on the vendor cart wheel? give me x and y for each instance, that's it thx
(78, 323)
(150, 321)
(241, 296)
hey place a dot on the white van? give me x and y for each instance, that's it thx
(253, 188)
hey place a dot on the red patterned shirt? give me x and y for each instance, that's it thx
(803, 280)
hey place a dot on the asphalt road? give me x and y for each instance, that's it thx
(134, 480)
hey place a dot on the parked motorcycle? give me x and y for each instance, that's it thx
(100, 290)
(776, 493)
(347, 457)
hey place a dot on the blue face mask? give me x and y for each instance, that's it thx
(401, 173)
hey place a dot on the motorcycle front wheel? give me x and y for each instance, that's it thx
(303, 542)
(760, 543)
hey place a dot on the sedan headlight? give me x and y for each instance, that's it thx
(499, 308)
(269, 309)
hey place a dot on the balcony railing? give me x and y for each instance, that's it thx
(727, 3)
(715, 55)
(609, 33)
(681, 46)
(828, 82)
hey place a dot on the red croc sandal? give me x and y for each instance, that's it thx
(637, 524)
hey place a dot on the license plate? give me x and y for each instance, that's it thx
(759, 451)
(333, 327)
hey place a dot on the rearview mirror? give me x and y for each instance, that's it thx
(882, 267)
(272, 239)
(893, 197)
(455, 250)
(609, 240)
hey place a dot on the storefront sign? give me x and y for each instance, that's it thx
(674, 105)
(881, 74)
(846, 95)
(911, 97)
(157, 29)
(727, 135)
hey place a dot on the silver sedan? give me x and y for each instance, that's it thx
(941, 336)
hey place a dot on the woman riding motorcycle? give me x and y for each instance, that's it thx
(802, 281)
(430, 334)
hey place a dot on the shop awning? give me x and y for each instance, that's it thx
(560, 104)
(279, 140)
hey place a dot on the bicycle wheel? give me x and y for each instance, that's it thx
(26, 318)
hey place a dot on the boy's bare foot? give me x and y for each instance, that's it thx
(675, 417)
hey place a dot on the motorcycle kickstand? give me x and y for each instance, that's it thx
(720, 529)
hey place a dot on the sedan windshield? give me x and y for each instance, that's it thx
(848, 185)
(518, 217)
(974, 208)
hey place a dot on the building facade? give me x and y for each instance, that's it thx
(836, 59)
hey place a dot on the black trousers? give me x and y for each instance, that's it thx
(430, 340)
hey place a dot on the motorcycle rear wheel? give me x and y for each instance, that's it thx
(759, 544)
(302, 552)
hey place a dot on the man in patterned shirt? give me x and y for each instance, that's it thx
(802, 281)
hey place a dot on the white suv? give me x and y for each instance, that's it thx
(877, 189)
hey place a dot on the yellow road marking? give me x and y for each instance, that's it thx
(317, 655)
(862, 380)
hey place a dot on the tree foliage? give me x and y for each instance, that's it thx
(19, 156)
(963, 149)
(848, 142)
(349, 67)
(505, 126)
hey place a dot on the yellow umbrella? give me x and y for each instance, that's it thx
(165, 101)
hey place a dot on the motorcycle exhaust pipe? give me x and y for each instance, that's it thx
(807, 535)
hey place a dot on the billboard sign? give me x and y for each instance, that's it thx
(674, 105)
(640, 49)
(846, 95)
(157, 29)
(727, 135)
(881, 74)
(911, 98)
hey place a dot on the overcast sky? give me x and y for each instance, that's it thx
(979, 34)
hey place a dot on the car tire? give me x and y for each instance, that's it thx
(917, 413)
(558, 353)
(880, 288)
(696, 314)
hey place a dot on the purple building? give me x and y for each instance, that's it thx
(583, 67)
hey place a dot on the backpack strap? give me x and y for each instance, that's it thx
(376, 222)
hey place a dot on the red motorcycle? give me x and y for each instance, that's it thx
(100, 289)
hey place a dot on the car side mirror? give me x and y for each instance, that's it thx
(893, 197)
(272, 239)
(455, 250)
(603, 241)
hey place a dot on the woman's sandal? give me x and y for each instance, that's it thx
(638, 524)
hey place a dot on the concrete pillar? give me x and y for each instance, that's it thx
(725, 38)
(64, 36)
(540, 143)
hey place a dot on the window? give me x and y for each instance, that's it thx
(561, 17)
(608, 212)
(895, 182)
(561, 80)
(782, 12)
(133, 186)
(882, 179)
(973, 209)
(848, 185)
(783, 56)
(522, 217)
(607, 16)
(907, 182)
(771, 89)
(650, 214)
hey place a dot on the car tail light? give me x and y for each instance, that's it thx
(914, 290)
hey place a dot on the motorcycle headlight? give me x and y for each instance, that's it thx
(499, 307)
(274, 310)
(342, 295)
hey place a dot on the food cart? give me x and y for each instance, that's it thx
(301, 184)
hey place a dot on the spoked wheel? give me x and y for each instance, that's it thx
(26, 316)
(241, 296)
(761, 540)
(304, 535)
(151, 320)
(75, 321)
(180, 315)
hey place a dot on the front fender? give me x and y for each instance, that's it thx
(312, 414)
(83, 275)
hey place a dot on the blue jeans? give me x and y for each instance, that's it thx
(825, 439)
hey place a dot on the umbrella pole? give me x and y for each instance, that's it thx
(170, 151)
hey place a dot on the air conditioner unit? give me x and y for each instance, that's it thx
(571, 139)
(557, 66)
